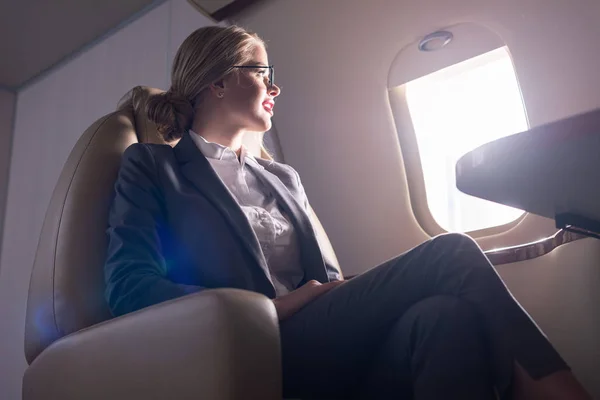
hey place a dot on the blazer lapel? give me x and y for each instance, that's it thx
(311, 252)
(196, 168)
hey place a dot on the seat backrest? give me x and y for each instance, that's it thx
(66, 290)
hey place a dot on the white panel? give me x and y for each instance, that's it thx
(51, 115)
(7, 113)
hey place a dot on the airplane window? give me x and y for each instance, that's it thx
(454, 110)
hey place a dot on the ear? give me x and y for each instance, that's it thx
(217, 86)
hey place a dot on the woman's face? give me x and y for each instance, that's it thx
(248, 96)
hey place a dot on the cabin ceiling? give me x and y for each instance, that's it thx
(37, 34)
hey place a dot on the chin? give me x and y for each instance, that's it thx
(261, 125)
(268, 125)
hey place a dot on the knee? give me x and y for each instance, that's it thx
(459, 251)
(455, 240)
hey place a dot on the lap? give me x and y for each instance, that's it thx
(331, 341)
(375, 299)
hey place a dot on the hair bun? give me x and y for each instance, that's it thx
(172, 113)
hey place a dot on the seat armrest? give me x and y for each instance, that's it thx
(216, 344)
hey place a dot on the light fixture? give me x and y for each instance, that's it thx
(435, 41)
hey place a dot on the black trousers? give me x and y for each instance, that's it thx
(434, 323)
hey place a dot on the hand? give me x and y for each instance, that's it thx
(287, 305)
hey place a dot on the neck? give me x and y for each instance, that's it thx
(231, 138)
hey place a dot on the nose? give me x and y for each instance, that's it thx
(274, 91)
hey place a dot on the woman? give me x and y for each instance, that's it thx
(436, 322)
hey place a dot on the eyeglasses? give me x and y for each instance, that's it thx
(271, 71)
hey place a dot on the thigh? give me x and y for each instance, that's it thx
(327, 346)
(436, 350)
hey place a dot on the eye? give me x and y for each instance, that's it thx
(261, 71)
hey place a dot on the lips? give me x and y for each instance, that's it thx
(268, 105)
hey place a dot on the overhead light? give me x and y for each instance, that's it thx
(435, 41)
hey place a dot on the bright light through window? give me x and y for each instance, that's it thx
(453, 111)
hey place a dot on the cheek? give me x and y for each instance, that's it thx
(246, 101)
(253, 102)
(248, 111)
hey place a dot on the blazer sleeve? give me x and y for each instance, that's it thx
(135, 269)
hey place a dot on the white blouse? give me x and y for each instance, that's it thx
(272, 227)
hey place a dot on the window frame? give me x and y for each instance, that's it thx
(486, 41)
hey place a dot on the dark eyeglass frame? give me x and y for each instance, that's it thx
(271, 72)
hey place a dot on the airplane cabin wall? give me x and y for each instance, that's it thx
(560, 291)
(335, 126)
(334, 121)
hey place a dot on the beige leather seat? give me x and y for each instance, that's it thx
(218, 344)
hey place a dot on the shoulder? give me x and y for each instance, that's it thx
(144, 161)
(148, 153)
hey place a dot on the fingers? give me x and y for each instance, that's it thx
(316, 288)
(290, 303)
(330, 285)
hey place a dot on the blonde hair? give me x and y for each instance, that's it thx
(205, 56)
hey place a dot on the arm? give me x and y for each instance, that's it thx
(135, 269)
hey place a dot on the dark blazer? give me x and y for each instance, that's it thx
(174, 229)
